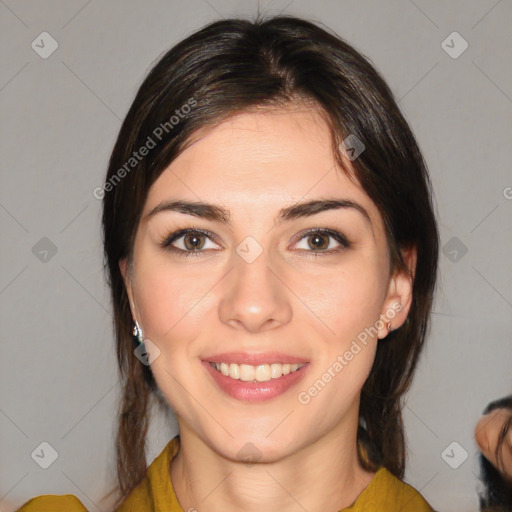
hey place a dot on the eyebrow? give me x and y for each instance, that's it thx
(220, 214)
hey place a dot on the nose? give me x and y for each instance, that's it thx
(255, 297)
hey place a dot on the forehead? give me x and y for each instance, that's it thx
(259, 160)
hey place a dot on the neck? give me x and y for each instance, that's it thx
(324, 475)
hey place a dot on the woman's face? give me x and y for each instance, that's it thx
(261, 289)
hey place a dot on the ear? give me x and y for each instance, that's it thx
(399, 296)
(125, 272)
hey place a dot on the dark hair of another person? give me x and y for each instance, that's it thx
(496, 495)
(234, 66)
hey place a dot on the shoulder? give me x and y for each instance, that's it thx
(154, 492)
(387, 493)
(53, 503)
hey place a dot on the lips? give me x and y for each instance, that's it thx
(255, 377)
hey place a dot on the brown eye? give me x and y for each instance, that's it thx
(319, 242)
(193, 241)
(188, 242)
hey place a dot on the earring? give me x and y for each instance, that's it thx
(389, 327)
(138, 336)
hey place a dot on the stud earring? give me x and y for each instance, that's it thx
(138, 336)
(389, 327)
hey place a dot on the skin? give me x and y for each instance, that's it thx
(487, 432)
(286, 300)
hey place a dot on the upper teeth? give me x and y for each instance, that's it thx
(259, 373)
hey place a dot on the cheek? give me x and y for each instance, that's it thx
(164, 299)
(172, 308)
(347, 300)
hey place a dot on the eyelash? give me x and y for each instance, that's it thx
(167, 241)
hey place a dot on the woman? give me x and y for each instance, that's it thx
(271, 243)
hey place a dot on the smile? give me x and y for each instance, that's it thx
(255, 382)
(258, 373)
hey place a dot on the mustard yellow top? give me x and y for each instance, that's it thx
(385, 493)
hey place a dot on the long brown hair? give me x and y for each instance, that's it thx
(233, 66)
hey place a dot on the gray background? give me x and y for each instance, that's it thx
(60, 117)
